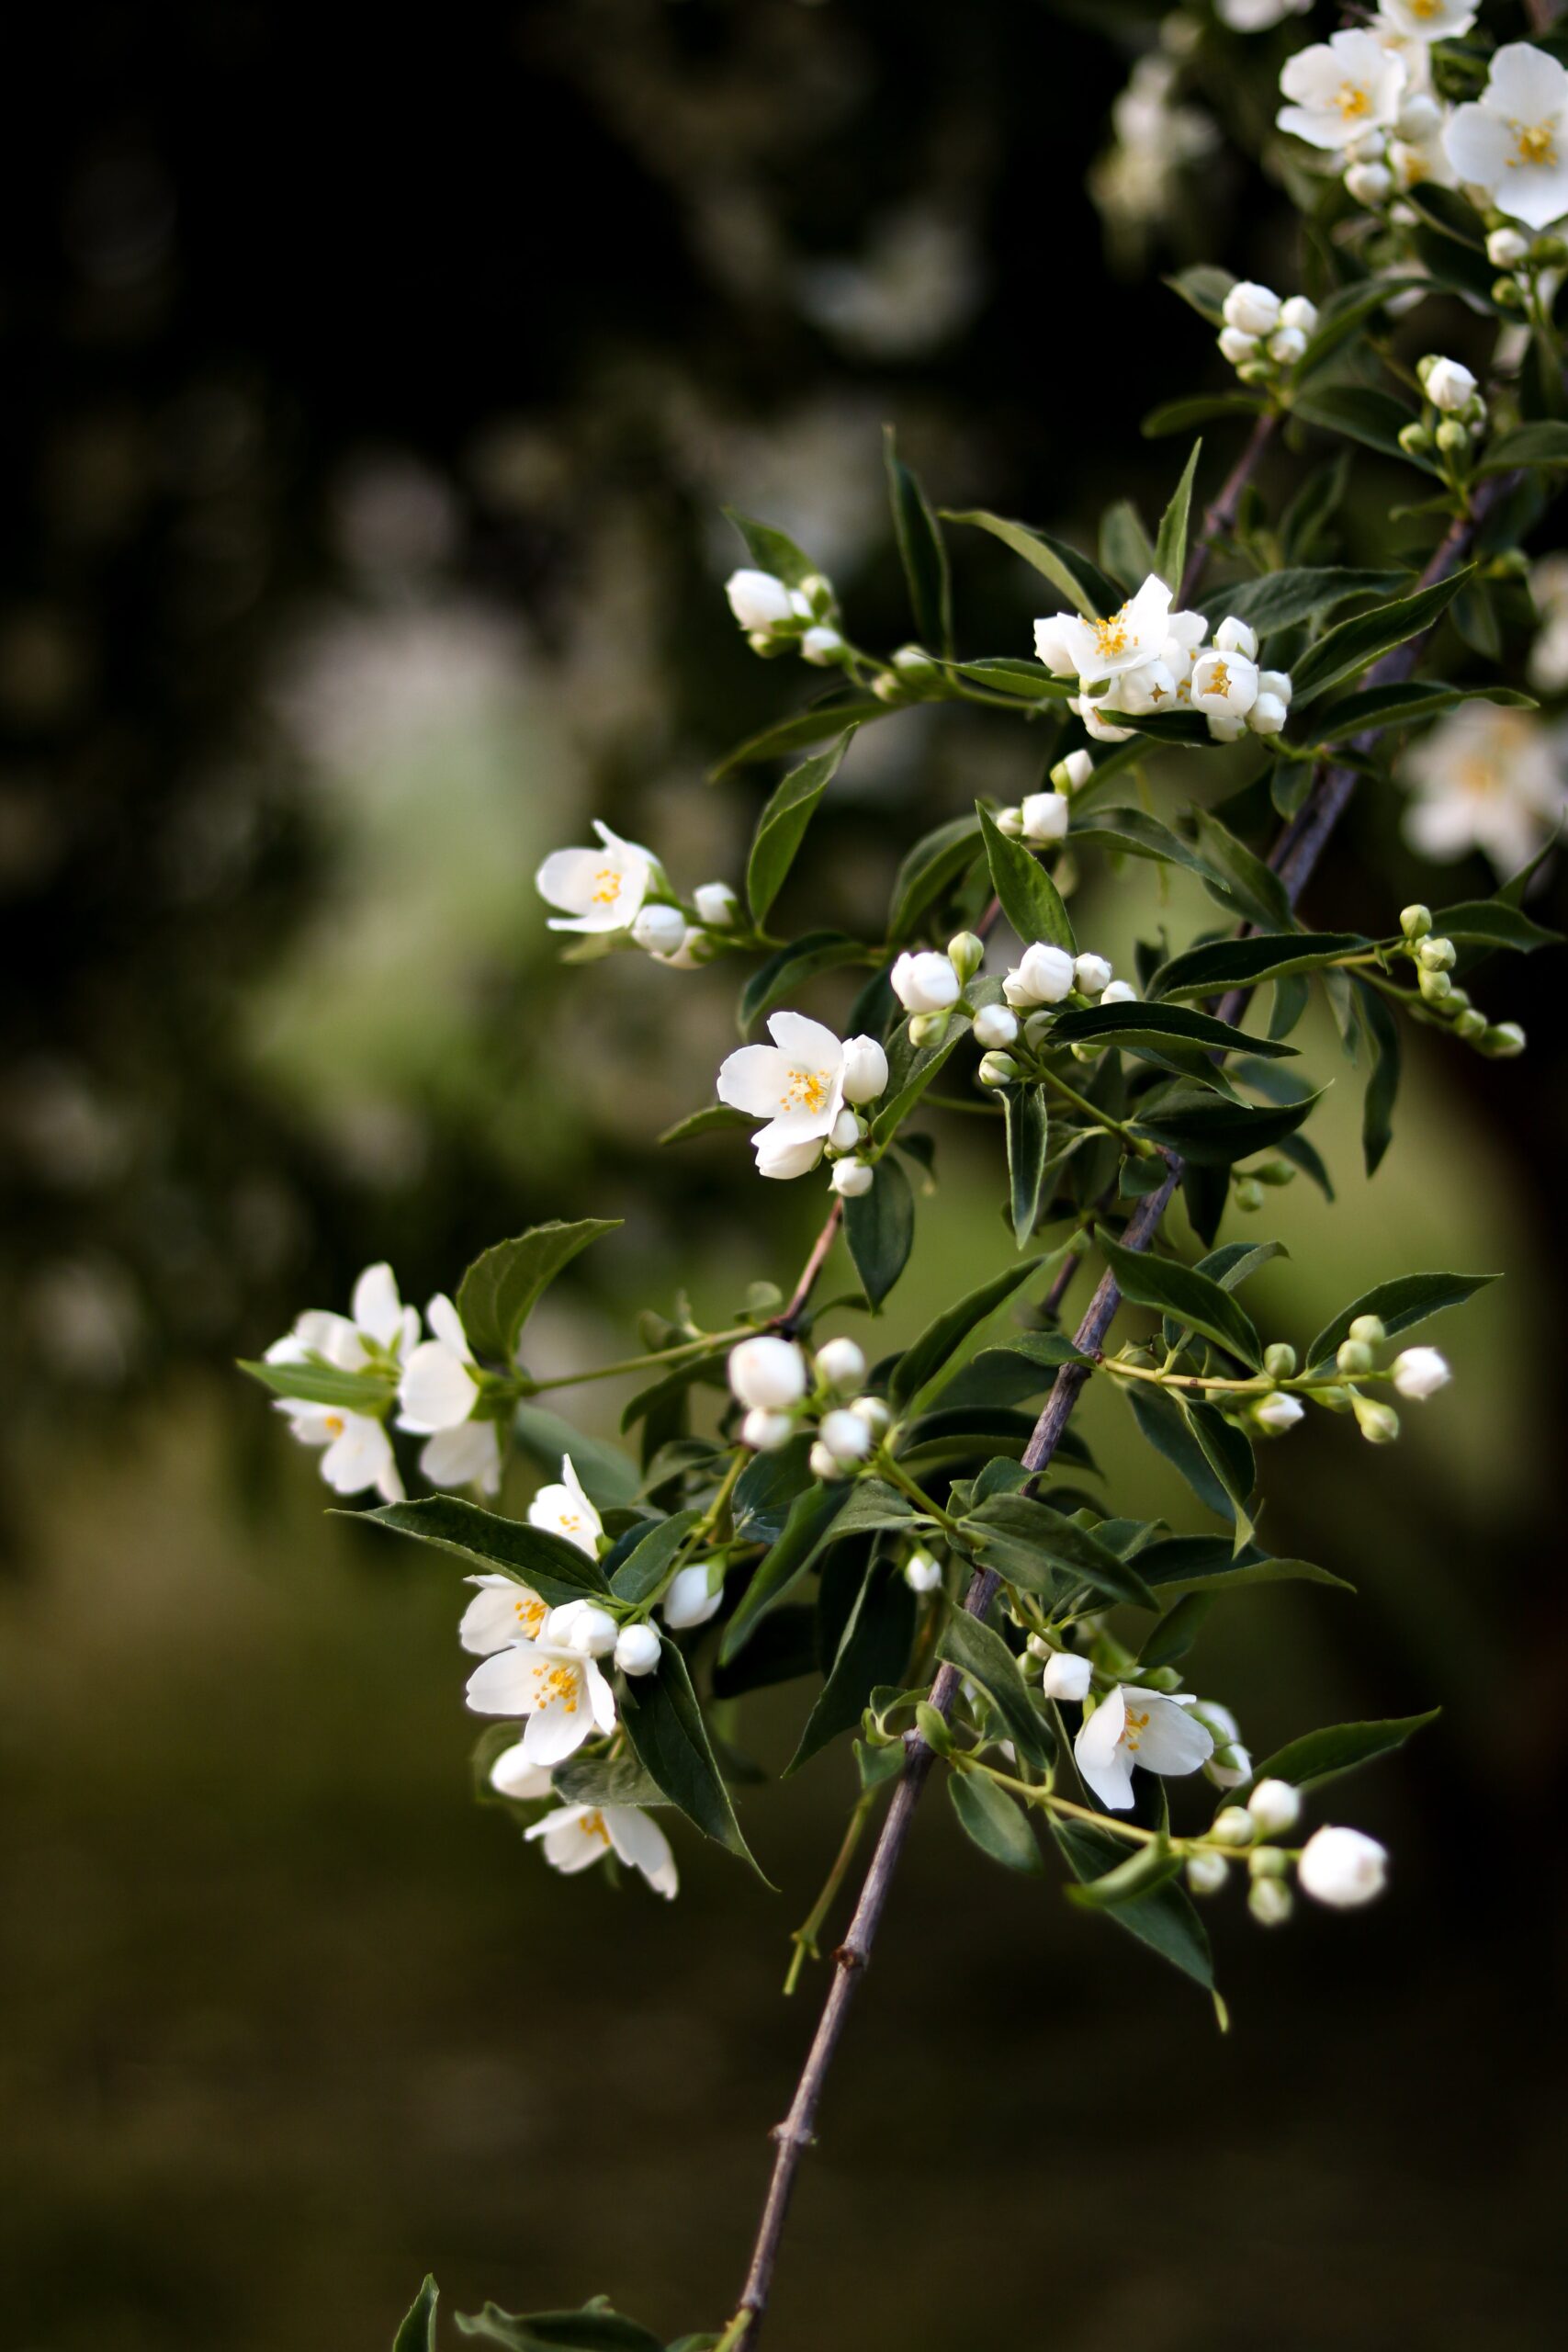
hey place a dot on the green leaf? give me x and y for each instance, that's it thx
(1085, 587)
(1254, 890)
(771, 551)
(1350, 645)
(1399, 1305)
(909, 1078)
(556, 1569)
(1282, 599)
(1383, 1074)
(875, 1648)
(1145, 1870)
(1198, 408)
(609, 1479)
(879, 1228)
(811, 1516)
(767, 1489)
(1242, 963)
(1325, 1755)
(1143, 1024)
(1125, 553)
(594, 2328)
(1192, 1298)
(712, 1119)
(934, 866)
(1228, 1452)
(1004, 1375)
(1164, 1425)
(502, 1286)
(1495, 921)
(1164, 1920)
(1210, 1131)
(646, 1566)
(915, 1376)
(1362, 414)
(605, 1779)
(1372, 710)
(1188, 1564)
(1450, 212)
(1028, 1129)
(780, 827)
(993, 1822)
(1031, 1544)
(665, 1727)
(1170, 546)
(1029, 897)
(786, 735)
(978, 1651)
(1339, 317)
(1541, 444)
(356, 1392)
(801, 960)
(920, 546)
(1015, 674)
(1205, 287)
(417, 2332)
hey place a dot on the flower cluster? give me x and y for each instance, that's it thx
(1416, 1373)
(781, 1394)
(1263, 335)
(1145, 659)
(1365, 97)
(810, 1087)
(620, 890)
(781, 619)
(1155, 139)
(1485, 777)
(353, 1369)
(1434, 957)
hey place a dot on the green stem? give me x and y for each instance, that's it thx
(667, 1358)
(805, 1936)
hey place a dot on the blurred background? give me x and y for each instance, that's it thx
(369, 403)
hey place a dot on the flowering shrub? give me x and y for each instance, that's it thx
(908, 1537)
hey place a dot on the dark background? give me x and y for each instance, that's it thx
(369, 400)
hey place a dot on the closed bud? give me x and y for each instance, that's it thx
(1206, 1873)
(1161, 1678)
(1449, 386)
(928, 1029)
(823, 1464)
(1286, 346)
(1279, 1360)
(1548, 252)
(1368, 1330)
(1269, 1901)
(1232, 1826)
(864, 1069)
(1093, 974)
(1249, 1193)
(1300, 313)
(845, 1132)
(851, 1179)
(1275, 1173)
(1416, 921)
(1509, 294)
(1415, 440)
(995, 1025)
(922, 1573)
(924, 981)
(1419, 1372)
(765, 1432)
(1268, 1861)
(889, 687)
(1434, 987)
(688, 1600)
(1506, 248)
(875, 1414)
(1451, 437)
(768, 1373)
(1370, 184)
(822, 647)
(760, 602)
(840, 1365)
(1337, 1400)
(1255, 371)
(1470, 1024)
(637, 1649)
(1066, 1676)
(1342, 1868)
(815, 593)
(1502, 1041)
(659, 930)
(1276, 1806)
(1379, 1424)
(769, 646)
(1237, 346)
(846, 1436)
(915, 666)
(716, 905)
(996, 1069)
(1354, 1359)
(966, 952)
(1010, 821)
(1045, 819)
(1073, 773)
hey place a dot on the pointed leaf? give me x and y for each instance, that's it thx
(1324, 1755)
(417, 2332)
(879, 1228)
(921, 546)
(875, 1649)
(499, 1290)
(1407, 1300)
(556, 1569)
(976, 1650)
(1164, 1920)
(1029, 900)
(1193, 1298)
(1027, 1133)
(664, 1724)
(1352, 645)
(992, 1821)
(1170, 547)
(780, 827)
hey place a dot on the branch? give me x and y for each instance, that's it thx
(1295, 857)
(1222, 511)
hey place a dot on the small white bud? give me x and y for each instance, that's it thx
(1368, 1330)
(1269, 1901)
(759, 600)
(996, 1069)
(584, 1626)
(1234, 1825)
(1237, 346)
(1378, 1424)
(966, 952)
(1371, 146)
(864, 1069)
(1234, 636)
(851, 1179)
(1286, 344)
(1419, 116)
(636, 1650)
(1419, 1372)
(1506, 248)
(1043, 976)
(716, 905)
(1416, 921)
(688, 1600)
(1206, 1873)
(1353, 1357)
(1268, 715)
(1275, 682)
(1342, 1868)
(1093, 974)
(765, 1432)
(1276, 1806)
(846, 1131)
(1278, 1413)
(823, 1464)
(1044, 815)
(822, 646)
(1370, 184)
(995, 1025)
(1254, 308)
(1010, 822)
(1450, 385)
(1070, 774)
(1066, 1676)
(1120, 992)
(659, 930)
(922, 1573)
(1300, 313)
(846, 1437)
(768, 1373)
(1230, 1766)
(925, 982)
(873, 1413)
(927, 1028)
(840, 1365)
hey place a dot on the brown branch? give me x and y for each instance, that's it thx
(1221, 512)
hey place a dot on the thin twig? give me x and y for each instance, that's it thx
(1221, 512)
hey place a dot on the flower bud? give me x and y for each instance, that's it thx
(1066, 1676)
(922, 1573)
(659, 930)
(1236, 637)
(1044, 815)
(1278, 1412)
(822, 647)
(1287, 345)
(1254, 308)
(846, 1131)
(1275, 1806)
(1471, 1025)
(1506, 248)
(1300, 313)
(1416, 921)
(1269, 1901)
(1342, 1868)
(1232, 1826)
(823, 1464)
(875, 1414)
(1237, 346)
(966, 952)
(1379, 1424)
(688, 1600)
(1447, 385)
(1419, 116)
(1509, 294)
(1370, 184)
(768, 1373)
(1161, 1677)
(925, 982)
(1279, 1360)
(1419, 1372)
(637, 1649)
(1548, 252)
(592, 1631)
(1353, 1358)
(1247, 1193)
(1043, 975)
(888, 687)
(996, 1069)
(1368, 1330)
(1070, 774)
(1434, 987)
(765, 1432)
(846, 1437)
(1268, 1861)
(759, 600)
(851, 1179)
(716, 905)
(995, 1025)
(1120, 992)
(1093, 974)
(1268, 715)
(1503, 1042)
(864, 1069)
(928, 1028)
(761, 642)
(1206, 1873)
(1451, 437)
(915, 666)
(840, 1365)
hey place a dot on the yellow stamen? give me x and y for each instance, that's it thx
(335, 1423)
(592, 1825)
(805, 1090)
(1534, 143)
(1220, 680)
(1352, 102)
(609, 888)
(1111, 636)
(1135, 1725)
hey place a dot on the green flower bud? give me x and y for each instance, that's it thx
(1255, 371)
(817, 590)
(888, 687)
(1339, 1400)
(1232, 1826)
(1503, 1042)
(1415, 440)
(1509, 294)
(1451, 437)
(1353, 1359)
(762, 641)
(1379, 1423)
(1548, 252)
(1416, 921)
(1161, 1678)
(1206, 1873)
(1368, 1330)
(1279, 1360)
(928, 1028)
(915, 666)
(1270, 1901)
(1434, 987)
(1457, 1001)
(966, 952)
(1470, 1023)
(1276, 1172)
(1248, 1193)
(1425, 364)
(1268, 1861)
(996, 1069)
(1436, 953)
(1010, 821)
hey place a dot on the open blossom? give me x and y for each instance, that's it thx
(501, 1611)
(357, 1451)
(566, 1511)
(600, 889)
(563, 1694)
(1134, 1726)
(1427, 20)
(374, 1336)
(1092, 649)
(1486, 777)
(577, 1835)
(436, 1397)
(1340, 89)
(1512, 142)
(799, 1084)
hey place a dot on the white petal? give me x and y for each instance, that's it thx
(502, 1612)
(333, 1336)
(505, 1684)
(574, 1838)
(784, 1150)
(755, 1080)
(360, 1457)
(438, 1390)
(1101, 1757)
(469, 1455)
(446, 1325)
(809, 1044)
(637, 1840)
(1478, 146)
(553, 1734)
(511, 1776)
(375, 1305)
(1172, 1740)
(1526, 83)
(600, 1698)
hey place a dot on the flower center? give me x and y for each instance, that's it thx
(592, 1825)
(1220, 680)
(805, 1090)
(1534, 143)
(555, 1682)
(609, 886)
(1134, 1729)
(531, 1615)
(335, 1423)
(1111, 637)
(1479, 778)
(1425, 8)
(1352, 102)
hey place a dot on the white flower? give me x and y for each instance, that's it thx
(925, 982)
(436, 1397)
(1342, 1867)
(1091, 974)
(1276, 1806)
(758, 602)
(1450, 385)
(1106, 649)
(1224, 685)
(577, 1835)
(1134, 1726)
(840, 1365)
(376, 1334)
(601, 889)
(566, 1511)
(688, 1600)
(1258, 16)
(581, 1625)
(513, 1776)
(1084, 706)
(1066, 1676)
(1044, 975)
(1513, 141)
(502, 1611)
(1252, 309)
(716, 905)
(1427, 19)
(659, 930)
(864, 1069)
(637, 1649)
(796, 1084)
(1045, 815)
(1119, 992)
(846, 1437)
(1236, 637)
(995, 1025)
(1148, 688)
(563, 1694)
(1485, 778)
(358, 1452)
(1419, 1372)
(1051, 645)
(1342, 88)
(922, 1573)
(1278, 1413)
(767, 1373)
(1370, 184)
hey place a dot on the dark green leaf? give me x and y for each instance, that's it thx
(499, 1290)
(789, 969)
(1029, 1543)
(1028, 1129)
(1205, 287)
(1029, 897)
(646, 1566)
(608, 1478)
(556, 1569)
(714, 1118)
(1144, 1025)
(1362, 414)
(1193, 1298)
(1139, 1873)
(1212, 1564)
(1170, 547)
(781, 1649)
(1324, 1755)
(879, 1228)
(913, 1070)
(417, 2332)
(594, 2328)
(924, 556)
(665, 1727)
(994, 1822)
(766, 1490)
(771, 551)
(1198, 408)
(1407, 1300)
(875, 1648)
(1383, 1074)
(1228, 1452)
(1543, 443)
(1449, 212)
(1372, 710)
(980, 1653)
(1212, 1133)
(1083, 585)
(1339, 318)
(1164, 1920)
(1242, 963)
(780, 827)
(916, 1369)
(1163, 1423)
(603, 1780)
(1252, 888)
(811, 1515)
(1350, 645)
(933, 865)
(356, 1392)
(1281, 599)
(1015, 674)
(786, 735)
(1496, 922)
